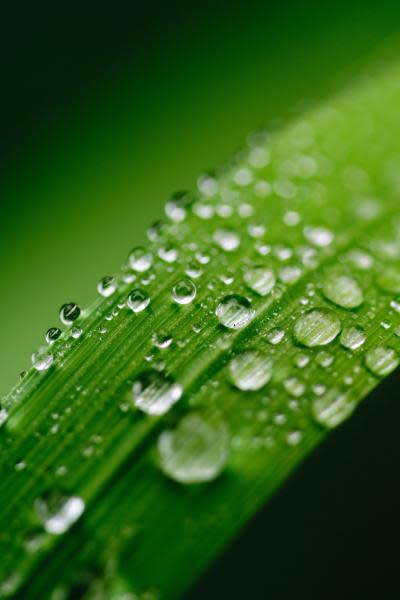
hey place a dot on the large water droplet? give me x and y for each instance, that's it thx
(260, 279)
(140, 259)
(53, 334)
(195, 451)
(58, 512)
(250, 370)
(138, 300)
(176, 207)
(352, 338)
(343, 291)
(69, 313)
(389, 280)
(184, 291)
(381, 360)
(234, 312)
(317, 327)
(333, 408)
(154, 393)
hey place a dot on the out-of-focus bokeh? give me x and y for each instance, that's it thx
(108, 108)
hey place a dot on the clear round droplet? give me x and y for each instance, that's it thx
(352, 338)
(331, 409)
(168, 253)
(227, 240)
(140, 259)
(154, 393)
(107, 286)
(53, 334)
(42, 359)
(260, 280)
(58, 512)
(184, 291)
(196, 451)
(343, 291)
(250, 371)
(138, 300)
(69, 313)
(381, 360)
(234, 312)
(317, 327)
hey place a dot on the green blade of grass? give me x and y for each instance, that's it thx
(293, 252)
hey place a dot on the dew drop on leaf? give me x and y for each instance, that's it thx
(184, 291)
(332, 408)
(227, 240)
(107, 286)
(138, 300)
(195, 451)
(69, 313)
(42, 359)
(259, 279)
(317, 327)
(381, 360)
(343, 291)
(154, 393)
(52, 334)
(250, 371)
(58, 512)
(140, 259)
(352, 338)
(176, 207)
(234, 312)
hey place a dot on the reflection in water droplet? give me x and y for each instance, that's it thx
(184, 291)
(234, 312)
(107, 286)
(259, 279)
(352, 338)
(176, 207)
(195, 451)
(58, 512)
(227, 240)
(52, 334)
(343, 291)
(42, 359)
(69, 313)
(140, 259)
(317, 327)
(250, 370)
(333, 408)
(381, 360)
(154, 393)
(138, 300)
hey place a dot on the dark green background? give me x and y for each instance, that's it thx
(110, 107)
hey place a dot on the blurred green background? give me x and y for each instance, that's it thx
(110, 107)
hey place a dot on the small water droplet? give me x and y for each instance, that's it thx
(196, 450)
(184, 291)
(381, 360)
(250, 371)
(259, 279)
(168, 253)
(352, 338)
(76, 332)
(234, 312)
(275, 336)
(176, 207)
(140, 259)
(227, 240)
(53, 334)
(154, 393)
(58, 512)
(138, 300)
(107, 286)
(318, 236)
(69, 313)
(294, 386)
(343, 291)
(42, 359)
(317, 327)
(333, 408)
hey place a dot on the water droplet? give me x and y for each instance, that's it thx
(184, 291)
(107, 286)
(140, 259)
(275, 336)
(69, 313)
(154, 393)
(58, 512)
(138, 300)
(193, 270)
(318, 236)
(207, 185)
(52, 334)
(333, 408)
(294, 437)
(176, 207)
(162, 340)
(42, 359)
(250, 371)
(76, 332)
(343, 291)
(352, 338)
(234, 312)
(381, 360)
(317, 327)
(260, 279)
(3, 416)
(360, 259)
(294, 386)
(195, 451)
(168, 253)
(227, 240)
(389, 280)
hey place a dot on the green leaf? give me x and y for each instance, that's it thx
(257, 319)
